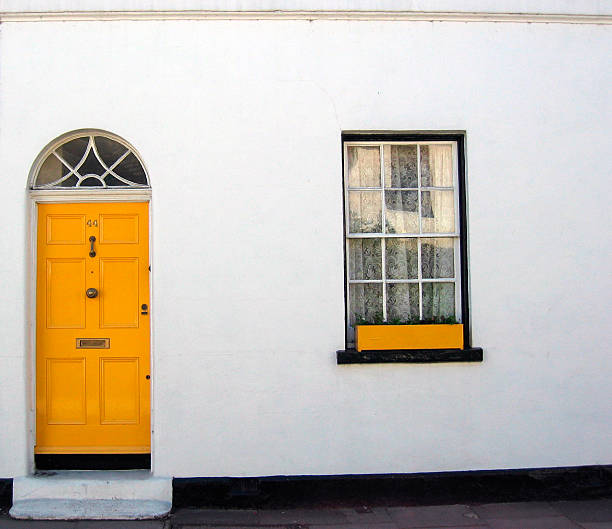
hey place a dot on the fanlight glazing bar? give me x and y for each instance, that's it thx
(132, 175)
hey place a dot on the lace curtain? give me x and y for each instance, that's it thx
(414, 195)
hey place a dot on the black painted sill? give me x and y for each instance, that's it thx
(410, 356)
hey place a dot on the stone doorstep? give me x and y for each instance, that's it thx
(46, 509)
(97, 495)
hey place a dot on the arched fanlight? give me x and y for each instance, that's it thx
(89, 160)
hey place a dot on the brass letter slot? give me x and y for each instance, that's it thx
(93, 343)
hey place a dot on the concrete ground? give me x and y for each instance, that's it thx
(585, 514)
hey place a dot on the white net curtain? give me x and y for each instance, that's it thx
(402, 239)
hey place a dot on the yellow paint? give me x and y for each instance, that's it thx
(92, 401)
(386, 337)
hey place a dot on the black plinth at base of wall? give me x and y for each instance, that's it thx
(410, 356)
(487, 486)
(548, 484)
(92, 461)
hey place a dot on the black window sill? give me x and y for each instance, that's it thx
(410, 356)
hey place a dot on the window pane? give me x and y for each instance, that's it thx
(51, 170)
(363, 166)
(131, 169)
(91, 165)
(401, 211)
(436, 166)
(71, 181)
(91, 182)
(437, 212)
(400, 165)
(365, 259)
(402, 302)
(109, 150)
(365, 212)
(401, 258)
(438, 300)
(111, 181)
(366, 302)
(437, 258)
(74, 150)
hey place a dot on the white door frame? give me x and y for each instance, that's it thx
(59, 196)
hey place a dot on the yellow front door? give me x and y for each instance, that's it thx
(92, 332)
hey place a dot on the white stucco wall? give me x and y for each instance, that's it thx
(239, 123)
(590, 7)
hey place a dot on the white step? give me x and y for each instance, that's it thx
(65, 495)
(89, 509)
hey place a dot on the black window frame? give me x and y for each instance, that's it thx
(460, 139)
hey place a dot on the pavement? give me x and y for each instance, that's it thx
(584, 514)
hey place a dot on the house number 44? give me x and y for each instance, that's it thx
(92, 223)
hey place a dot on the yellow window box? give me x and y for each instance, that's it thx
(389, 337)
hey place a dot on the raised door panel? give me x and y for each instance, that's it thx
(65, 292)
(119, 292)
(65, 229)
(119, 391)
(66, 403)
(118, 229)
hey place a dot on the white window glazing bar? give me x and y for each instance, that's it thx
(415, 280)
(419, 280)
(75, 169)
(398, 281)
(424, 188)
(383, 246)
(458, 315)
(399, 235)
(419, 257)
(109, 170)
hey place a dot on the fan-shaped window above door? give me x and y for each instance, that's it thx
(89, 160)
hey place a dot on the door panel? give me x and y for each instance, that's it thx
(119, 390)
(66, 391)
(65, 229)
(118, 229)
(92, 354)
(119, 282)
(65, 287)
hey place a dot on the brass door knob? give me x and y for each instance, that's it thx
(91, 292)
